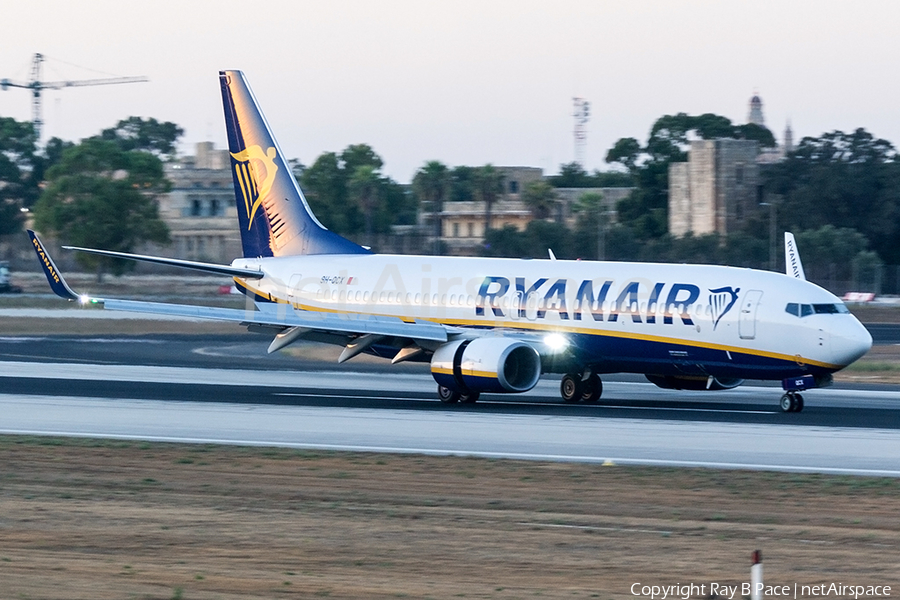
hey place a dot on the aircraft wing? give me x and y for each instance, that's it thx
(277, 316)
(282, 315)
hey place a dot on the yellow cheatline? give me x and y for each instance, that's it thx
(556, 327)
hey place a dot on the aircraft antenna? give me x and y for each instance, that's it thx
(581, 113)
(36, 85)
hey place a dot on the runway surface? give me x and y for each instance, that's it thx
(225, 389)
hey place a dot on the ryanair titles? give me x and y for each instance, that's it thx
(592, 298)
(48, 265)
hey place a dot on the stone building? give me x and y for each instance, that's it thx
(200, 209)
(716, 190)
(463, 222)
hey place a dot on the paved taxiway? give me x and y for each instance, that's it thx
(171, 388)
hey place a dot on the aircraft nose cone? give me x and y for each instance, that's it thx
(850, 343)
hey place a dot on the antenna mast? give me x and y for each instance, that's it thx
(581, 114)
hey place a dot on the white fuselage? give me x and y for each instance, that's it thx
(640, 311)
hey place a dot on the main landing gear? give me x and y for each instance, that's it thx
(449, 396)
(791, 402)
(581, 387)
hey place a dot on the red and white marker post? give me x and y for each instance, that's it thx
(756, 577)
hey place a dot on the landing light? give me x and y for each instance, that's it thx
(84, 299)
(556, 341)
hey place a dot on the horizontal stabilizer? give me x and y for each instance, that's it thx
(177, 262)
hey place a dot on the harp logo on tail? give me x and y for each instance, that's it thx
(721, 300)
(255, 171)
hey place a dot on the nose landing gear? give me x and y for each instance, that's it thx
(791, 402)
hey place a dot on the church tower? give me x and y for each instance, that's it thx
(756, 113)
(788, 139)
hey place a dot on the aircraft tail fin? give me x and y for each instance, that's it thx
(274, 217)
(792, 264)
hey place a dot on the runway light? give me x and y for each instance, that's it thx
(556, 341)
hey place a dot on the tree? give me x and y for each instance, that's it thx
(572, 175)
(626, 152)
(488, 187)
(538, 237)
(324, 184)
(645, 211)
(327, 182)
(591, 224)
(848, 180)
(540, 198)
(462, 184)
(358, 155)
(431, 185)
(102, 196)
(137, 133)
(363, 187)
(18, 186)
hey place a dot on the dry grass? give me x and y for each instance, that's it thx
(95, 519)
(880, 365)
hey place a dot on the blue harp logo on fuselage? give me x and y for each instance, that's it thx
(255, 171)
(721, 300)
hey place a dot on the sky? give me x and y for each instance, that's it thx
(464, 82)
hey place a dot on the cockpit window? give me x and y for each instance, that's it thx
(830, 309)
(804, 310)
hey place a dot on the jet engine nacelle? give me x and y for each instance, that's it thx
(489, 364)
(672, 382)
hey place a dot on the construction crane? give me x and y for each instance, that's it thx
(37, 86)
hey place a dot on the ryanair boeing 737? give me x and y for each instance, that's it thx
(496, 325)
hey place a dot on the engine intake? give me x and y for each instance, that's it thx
(672, 382)
(488, 364)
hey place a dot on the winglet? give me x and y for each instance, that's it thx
(792, 264)
(57, 283)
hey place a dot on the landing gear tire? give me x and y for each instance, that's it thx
(791, 402)
(470, 398)
(593, 389)
(448, 396)
(571, 388)
(787, 403)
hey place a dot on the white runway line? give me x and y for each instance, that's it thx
(789, 448)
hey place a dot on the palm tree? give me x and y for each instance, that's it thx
(540, 198)
(363, 186)
(431, 184)
(488, 186)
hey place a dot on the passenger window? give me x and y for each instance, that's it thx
(806, 310)
(793, 308)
